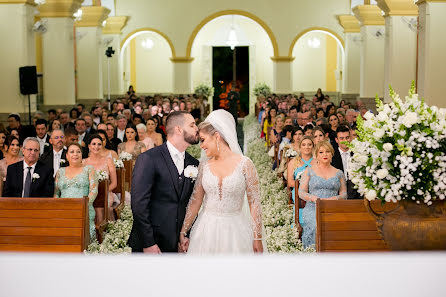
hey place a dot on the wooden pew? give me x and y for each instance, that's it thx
(128, 165)
(346, 226)
(44, 224)
(120, 189)
(101, 201)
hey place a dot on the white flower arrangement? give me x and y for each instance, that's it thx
(400, 154)
(62, 161)
(262, 89)
(102, 175)
(115, 237)
(204, 90)
(35, 176)
(276, 214)
(124, 156)
(118, 163)
(290, 153)
(191, 172)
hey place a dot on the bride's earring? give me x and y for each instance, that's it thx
(218, 146)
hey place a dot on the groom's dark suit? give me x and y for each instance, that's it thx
(159, 199)
(336, 162)
(40, 187)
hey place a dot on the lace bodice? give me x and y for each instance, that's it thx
(83, 184)
(313, 185)
(226, 196)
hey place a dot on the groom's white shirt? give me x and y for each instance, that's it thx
(177, 157)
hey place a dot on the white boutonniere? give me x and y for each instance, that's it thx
(191, 172)
(47, 144)
(62, 161)
(35, 176)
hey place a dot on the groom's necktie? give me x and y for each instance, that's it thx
(27, 186)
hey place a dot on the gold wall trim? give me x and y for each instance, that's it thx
(331, 52)
(181, 59)
(114, 25)
(293, 43)
(59, 9)
(425, 1)
(398, 7)
(29, 2)
(130, 35)
(349, 23)
(133, 63)
(369, 15)
(230, 12)
(92, 16)
(283, 58)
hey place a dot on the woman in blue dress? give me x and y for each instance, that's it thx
(298, 165)
(76, 181)
(321, 181)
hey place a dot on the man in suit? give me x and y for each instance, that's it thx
(71, 135)
(30, 177)
(160, 191)
(56, 156)
(42, 135)
(342, 157)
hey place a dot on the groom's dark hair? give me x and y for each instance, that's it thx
(175, 118)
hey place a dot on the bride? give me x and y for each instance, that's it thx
(224, 176)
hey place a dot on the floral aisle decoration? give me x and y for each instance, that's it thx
(116, 236)
(118, 163)
(262, 89)
(277, 216)
(101, 175)
(204, 90)
(124, 156)
(400, 154)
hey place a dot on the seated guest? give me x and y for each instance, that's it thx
(121, 123)
(308, 130)
(298, 165)
(320, 181)
(55, 157)
(142, 130)
(71, 135)
(30, 177)
(131, 143)
(156, 137)
(318, 135)
(276, 132)
(114, 141)
(137, 119)
(42, 135)
(12, 149)
(76, 181)
(102, 163)
(288, 132)
(341, 159)
(54, 125)
(106, 146)
(2, 143)
(334, 124)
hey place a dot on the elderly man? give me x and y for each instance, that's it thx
(350, 116)
(81, 128)
(56, 156)
(121, 123)
(30, 177)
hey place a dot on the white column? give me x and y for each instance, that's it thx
(432, 52)
(58, 61)
(400, 49)
(18, 49)
(282, 75)
(58, 51)
(182, 75)
(351, 69)
(372, 51)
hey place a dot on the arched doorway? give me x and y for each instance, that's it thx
(319, 59)
(145, 61)
(210, 40)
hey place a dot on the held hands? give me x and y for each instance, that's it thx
(257, 246)
(183, 245)
(154, 249)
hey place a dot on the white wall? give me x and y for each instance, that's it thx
(153, 66)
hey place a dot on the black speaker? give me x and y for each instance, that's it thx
(28, 80)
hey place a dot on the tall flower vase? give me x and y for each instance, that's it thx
(412, 226)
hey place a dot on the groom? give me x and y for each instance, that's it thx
(160, 191)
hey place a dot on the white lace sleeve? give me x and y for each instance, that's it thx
(195, 201)
(253, 194)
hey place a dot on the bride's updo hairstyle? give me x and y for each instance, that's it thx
(207, 128)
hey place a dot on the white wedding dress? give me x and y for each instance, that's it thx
(223, 225)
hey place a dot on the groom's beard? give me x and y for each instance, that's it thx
(190, 138)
